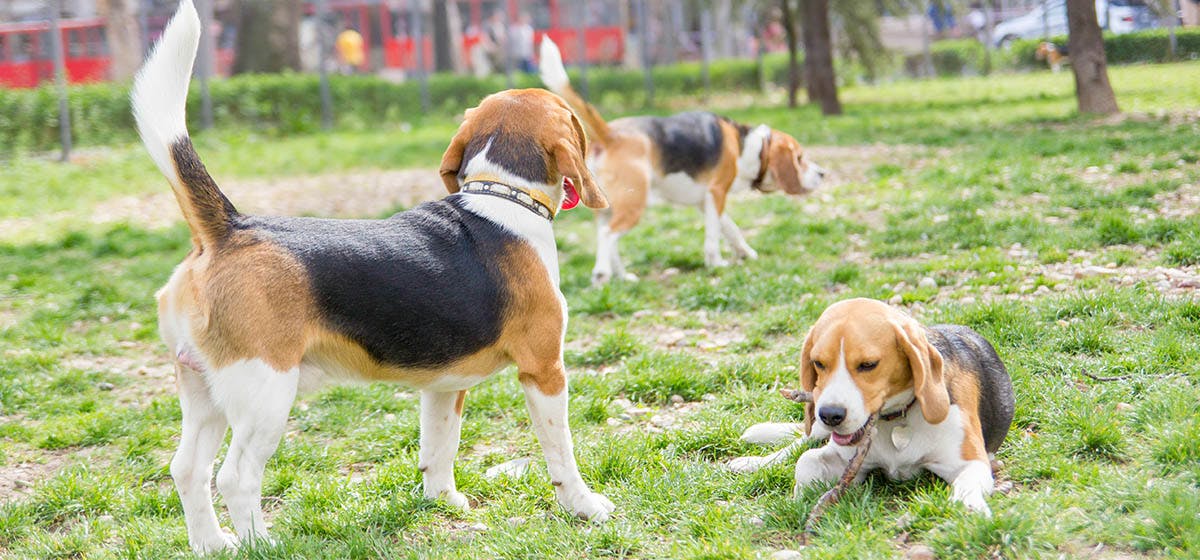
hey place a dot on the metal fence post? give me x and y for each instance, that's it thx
(644, 32)
(207, 55)
(706, 31)
(60, 79)
(414, 25)
(581, 31)
(323, 30)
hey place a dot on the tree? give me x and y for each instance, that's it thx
(819, 77)
(124, 36)
(446, 34)
(268, 36)
(1092, 89)
(789, 29)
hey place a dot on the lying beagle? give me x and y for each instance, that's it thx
(437, 298)
(693, 159)
(1054, 55)
(943, 397)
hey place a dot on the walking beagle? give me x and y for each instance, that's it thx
(1053, 55)
(694, 159)
(437, 298)
(944, 400)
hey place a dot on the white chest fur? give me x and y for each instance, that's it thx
(923, 443)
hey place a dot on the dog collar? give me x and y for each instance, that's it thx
(534, 201)
(894, 414)
(756, 184)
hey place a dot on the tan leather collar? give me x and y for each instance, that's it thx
(534, 200)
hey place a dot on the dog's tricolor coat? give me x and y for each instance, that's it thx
(437, 298)
(944, 399)
(695, 159)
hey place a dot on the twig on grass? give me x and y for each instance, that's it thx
(1105, 379)
(831, 496)
(834, 494)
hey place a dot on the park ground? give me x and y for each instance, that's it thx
(1072, 243)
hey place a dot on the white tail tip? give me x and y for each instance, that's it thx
(160, 90)
(554, 75)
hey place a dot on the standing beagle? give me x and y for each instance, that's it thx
(437, 298)
(944, 400)
(694, 159)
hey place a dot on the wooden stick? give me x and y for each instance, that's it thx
(796, 395)
(832, 496)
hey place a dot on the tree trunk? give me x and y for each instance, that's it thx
(818, 57)
(124, 36)
(443, 44)
(268, 36)
(789, 30)
(1086, 46)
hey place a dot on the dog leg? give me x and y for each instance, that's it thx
(257, 400)
(712, 234)
(744, 465)
(970, 483)
(823, 464)
(548, 413)
(441, 424)
(192, 467)
(734, 236)
(602, 272)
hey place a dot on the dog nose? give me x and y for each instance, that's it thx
(832, 415)
(821, 172)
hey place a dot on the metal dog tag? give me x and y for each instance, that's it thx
(901, 436)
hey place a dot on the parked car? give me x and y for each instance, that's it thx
(1049, 19)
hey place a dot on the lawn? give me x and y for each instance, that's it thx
(1072, 244)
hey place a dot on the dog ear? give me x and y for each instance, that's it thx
(784, 164)
(569, 156)
(808, 378)
(925, 362)
(452, 159)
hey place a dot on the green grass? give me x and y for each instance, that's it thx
(1002, 194)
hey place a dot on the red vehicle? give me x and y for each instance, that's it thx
(26, 55)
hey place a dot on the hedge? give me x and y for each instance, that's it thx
(955, 57)
(290, 103)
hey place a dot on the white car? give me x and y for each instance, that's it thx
(1049, 19)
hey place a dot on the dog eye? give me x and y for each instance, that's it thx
(817, 364)
(867, 366)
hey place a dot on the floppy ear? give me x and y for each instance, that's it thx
(452, 159)
(808, 378)
(782, 163)
(569, 156)
(929, 384)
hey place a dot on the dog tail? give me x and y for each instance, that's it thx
(554, 75)
(159, 101)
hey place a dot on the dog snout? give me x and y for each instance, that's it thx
(832, 416)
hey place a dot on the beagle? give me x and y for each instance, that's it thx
(693, 159)
(1054, 55)
(437, 298)
(943, 398)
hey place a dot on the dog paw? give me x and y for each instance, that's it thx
(973, 501)
(748, 254)
(590, 506)
(629, 277)
(743, 465)
(213, 543)
(454, 498)
(716, 262)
